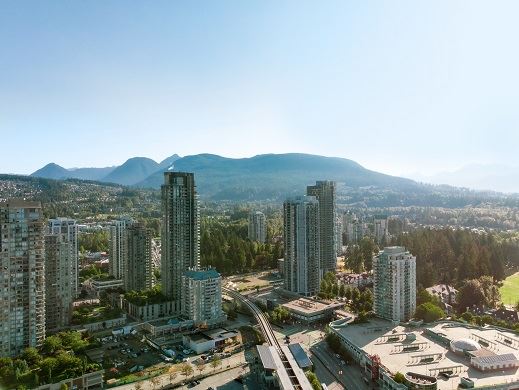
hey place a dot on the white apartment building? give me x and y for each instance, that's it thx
(202, 296)
(394, 284)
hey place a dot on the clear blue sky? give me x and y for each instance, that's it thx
(399, 86)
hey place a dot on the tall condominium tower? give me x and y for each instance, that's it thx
(22, 279)
(59, 283)
(139, 265)
(202, 296)
(257, 226)
(302, 241)
(324, 191)
(68, 230)
(180, 232)
(380, 228)
(338, 232)
(118, 247)
(394, 284)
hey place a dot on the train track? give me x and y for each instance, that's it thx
(297, 382)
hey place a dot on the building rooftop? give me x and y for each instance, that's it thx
(426, 352)
(265, 353)
(300, 355)
(220, 333)
(210, 273)
(309, 306)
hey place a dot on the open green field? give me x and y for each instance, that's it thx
(510, 290)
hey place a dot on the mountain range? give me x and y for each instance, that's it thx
(494, 177)
(219, 177)
(270, 177)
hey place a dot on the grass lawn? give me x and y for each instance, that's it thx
(510, 290)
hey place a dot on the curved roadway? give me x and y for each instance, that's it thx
(298, 381)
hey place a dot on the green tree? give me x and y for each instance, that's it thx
(52, 344)
(312, 378)
(215, 362)
(31, 356)
(429, 312)
(399, 377)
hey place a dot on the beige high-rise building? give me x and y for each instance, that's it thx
(22, 276)
(68, 230)
(59, 282)
(324, 191)
(119, 247)
(302, 240)
(180, 247)
(257, 227)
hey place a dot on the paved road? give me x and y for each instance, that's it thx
(224, 380)
(351, 377)
(325, 376)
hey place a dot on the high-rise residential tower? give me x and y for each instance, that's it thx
(302, 241)
(139, 267)
(257, 226)
(394, 284)
(380, 229)
(119, 247)
(202, 296)
(22, 278)
(180, 232)
(324, 191)
(59, 282)
(68, 230)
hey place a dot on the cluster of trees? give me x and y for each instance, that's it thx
(90, 272)
(359, 257)
(486, 320)
(143, 297)
(428, 307)
(314, 381)
(95, 241)
(279, 315)
(59, 358)
(452, 256)
(478, 292)
(358, 301)
(224, 245)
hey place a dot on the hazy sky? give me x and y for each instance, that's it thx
(399, 86)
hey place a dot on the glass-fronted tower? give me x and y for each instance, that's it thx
(324, 192)
(180, 232)
(301, 235)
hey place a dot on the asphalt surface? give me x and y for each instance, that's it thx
(349, 376)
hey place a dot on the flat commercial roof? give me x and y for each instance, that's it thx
(380, 337)
(309, 306)
(300, 355)
(220, 333)
(265, 354)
